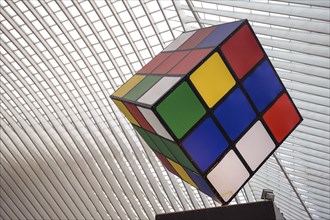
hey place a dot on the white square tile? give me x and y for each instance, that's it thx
(228, 176)
(255, 145)
(179, 41)
(158, 90)
(154, 122)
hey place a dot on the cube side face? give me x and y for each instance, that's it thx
(249, 113)
(213, 114)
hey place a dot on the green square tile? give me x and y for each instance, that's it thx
(142, 87)
(146, 138)
(181, 110)
(182, 159)
(161, 146)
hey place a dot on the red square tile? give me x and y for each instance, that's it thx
(282, 118)
(138, 116)
(149, 67)
(242, 51)
(196, 38)
(171, 61)
(166, 163)
(190, 61)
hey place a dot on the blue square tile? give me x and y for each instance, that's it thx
(205, 144)
(201, 184)
(219, 34)
(263, 85)
(235, 114)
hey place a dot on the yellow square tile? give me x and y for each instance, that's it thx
(126, 112)
(183, 174)
(212, 80)
(130, 84)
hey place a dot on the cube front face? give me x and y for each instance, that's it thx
(212, 108)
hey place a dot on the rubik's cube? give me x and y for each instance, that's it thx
(211, 107)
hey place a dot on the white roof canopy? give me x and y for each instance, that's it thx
(66, 150)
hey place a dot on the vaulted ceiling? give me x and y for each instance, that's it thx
(66, 150)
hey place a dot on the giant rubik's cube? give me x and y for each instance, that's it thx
(211, 107)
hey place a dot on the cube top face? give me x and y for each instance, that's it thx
(212, 108)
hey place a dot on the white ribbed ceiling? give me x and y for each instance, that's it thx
(66, 150)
